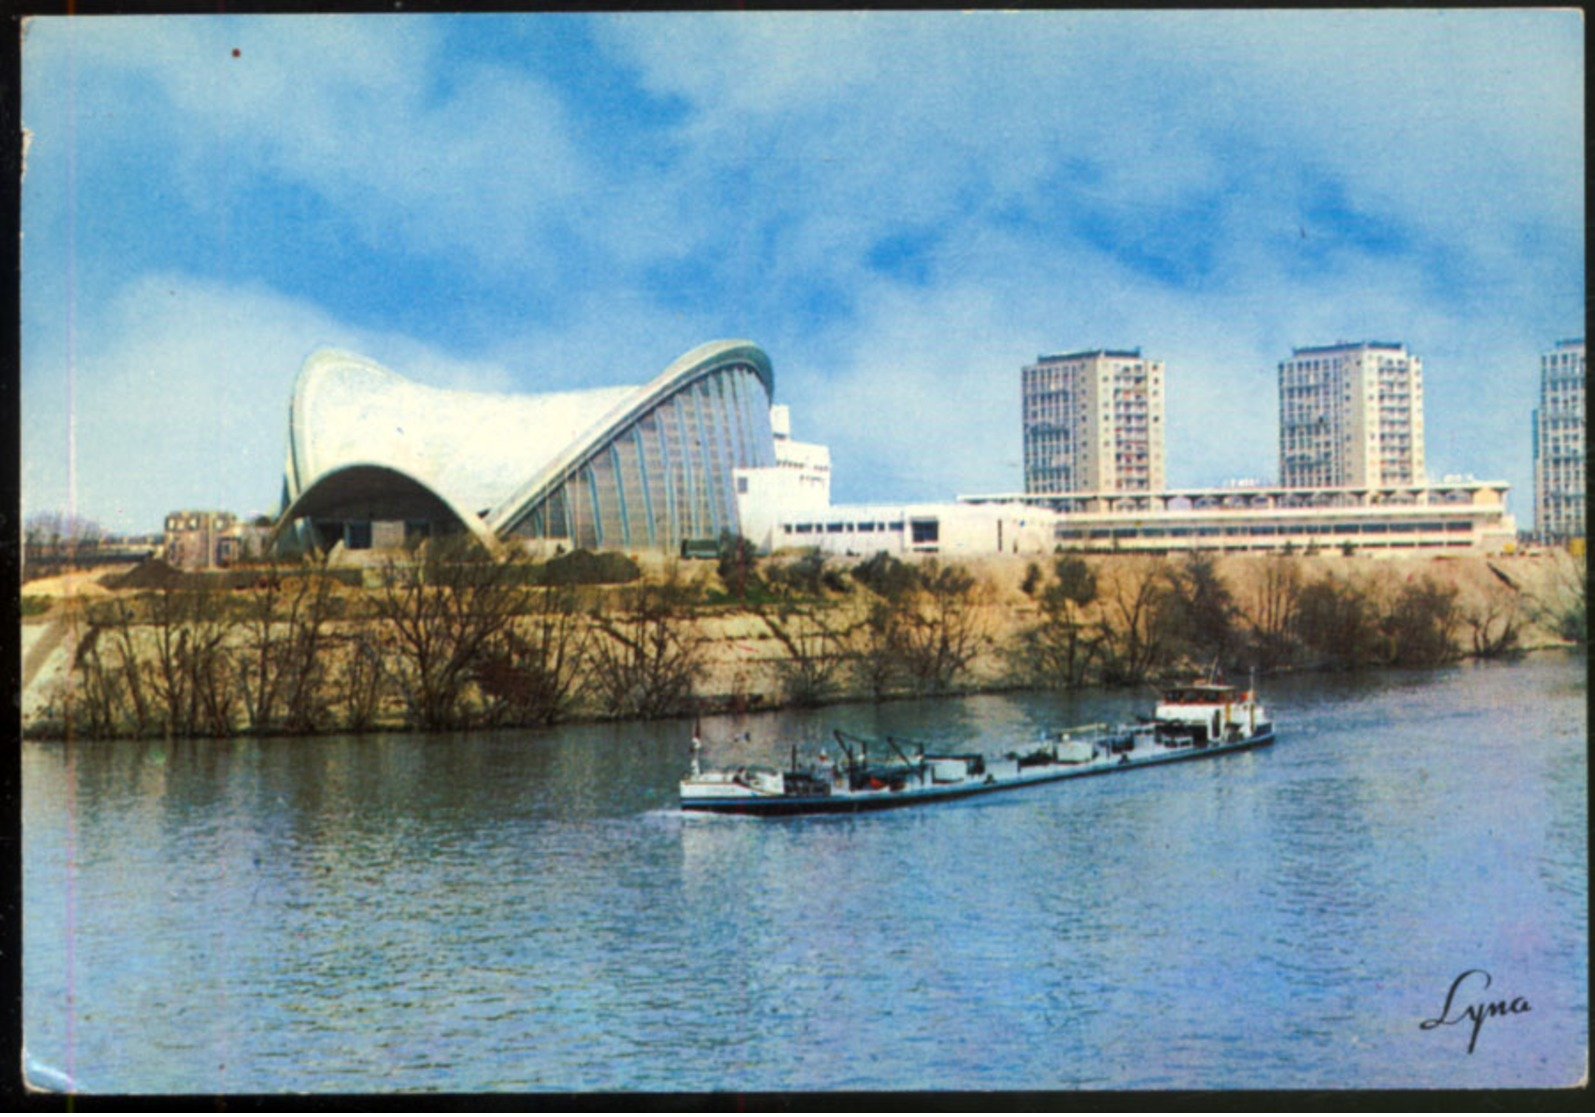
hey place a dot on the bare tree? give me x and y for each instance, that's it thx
(188, 671)
(1565, 608)
(814, 653)
(115, 693)
(213, 712)
(259, 662)
(1272, 606)
(922, 627)
(646, 657)
(1130, 630)
(1496, 622)
(443, 614)
(166, 610)
(361, 684)
(1197, 614)
(56, 535)
(534, 674)
(941, 625)
(1059, 649)
(98, 705)
(302, 656)
(874, 645)
(1336, 622)
(1420, 625)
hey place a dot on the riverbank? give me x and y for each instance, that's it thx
(299, 654)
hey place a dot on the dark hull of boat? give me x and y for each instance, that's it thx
(859, 802)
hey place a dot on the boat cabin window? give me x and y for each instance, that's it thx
(1203, 694)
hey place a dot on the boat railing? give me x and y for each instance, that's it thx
(1093, 729)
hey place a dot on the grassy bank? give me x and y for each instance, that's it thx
(454, 640)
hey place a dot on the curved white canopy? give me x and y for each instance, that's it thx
(362, 437)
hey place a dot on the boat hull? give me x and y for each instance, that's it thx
(857, 802)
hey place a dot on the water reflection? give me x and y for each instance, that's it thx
(525, 911)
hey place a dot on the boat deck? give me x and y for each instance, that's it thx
(918, 786)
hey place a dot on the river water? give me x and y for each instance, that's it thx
(528, 911)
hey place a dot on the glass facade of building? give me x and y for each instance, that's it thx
(663, 476)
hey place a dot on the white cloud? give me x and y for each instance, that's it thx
(1428, 117)
(349, 107)
(1214, 187)
(180, 399)
(181, 389)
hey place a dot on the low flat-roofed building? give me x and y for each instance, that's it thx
(926, 528)
(788, 506)
(201, 540)
(1457, 516)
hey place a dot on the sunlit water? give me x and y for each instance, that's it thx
(528, 911)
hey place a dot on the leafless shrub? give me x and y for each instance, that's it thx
(923, 627)
(443, 614)
(941, 625)
(1061, 647)
(811, 669)
(1130, 631)
(360, 687)
(534, 673)
(1495, 623)
(646, 656)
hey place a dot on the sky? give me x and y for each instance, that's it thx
(901, 209)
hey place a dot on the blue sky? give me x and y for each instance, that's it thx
(901, 208)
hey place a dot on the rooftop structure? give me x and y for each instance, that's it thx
(1351, 414)
(374, 458)
(1093, 422)
(1559, 444)
(799, 484)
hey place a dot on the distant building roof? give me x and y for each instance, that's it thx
(1126, 354)
(1341, 346)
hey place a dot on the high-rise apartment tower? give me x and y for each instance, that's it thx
(1351, 414)
(1559, 444)
(1093, 422)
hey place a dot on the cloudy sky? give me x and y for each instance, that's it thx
(901, 209)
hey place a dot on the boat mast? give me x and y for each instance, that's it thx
(895, 748)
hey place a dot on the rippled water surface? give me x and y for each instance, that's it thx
(528, 911)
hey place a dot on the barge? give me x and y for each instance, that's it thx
(1189, 723)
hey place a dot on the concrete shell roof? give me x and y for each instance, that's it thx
(483, 454)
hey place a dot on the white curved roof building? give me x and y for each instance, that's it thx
(630, 467)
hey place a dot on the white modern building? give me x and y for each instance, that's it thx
(1351, 414)
(944, 528)
(1093, 422)
(1559, 444)
(799, 484)
(789, 506)
(1463, 515)
(375, 458)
